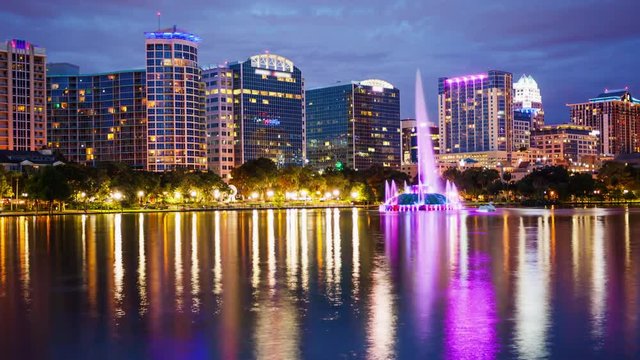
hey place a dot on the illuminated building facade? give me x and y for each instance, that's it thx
(522, 123)
(616, 116)
(23, 115)
(221, 129)
(527, 100)
(95, 118)
(409, 141)
(355, 123)
(175, 101)
(475, 113)
(566, 144)
(255, 109)
(409, 145)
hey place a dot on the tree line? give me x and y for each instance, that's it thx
(113, 186)
(613, 182)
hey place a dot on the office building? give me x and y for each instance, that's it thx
(23, 115)
(356, 124)
(615, 115)
(175, 101)
(522, 125)
(475, 113)
(528, 101)
(97, 118)
(409, 145)
(567, 144)
(255, 109)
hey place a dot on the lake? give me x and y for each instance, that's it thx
(322, 284)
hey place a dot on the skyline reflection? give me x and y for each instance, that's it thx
(323, 283)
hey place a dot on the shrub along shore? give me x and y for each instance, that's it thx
(260, 183)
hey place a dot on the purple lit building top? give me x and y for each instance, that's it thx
(466, 78)
(172, 34)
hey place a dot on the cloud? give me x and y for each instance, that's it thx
(572, 48)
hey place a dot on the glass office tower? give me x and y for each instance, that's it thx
(175, 101)
(255, 108)
(356, 124)
(97, 118)
(23, 116)
(475, 113)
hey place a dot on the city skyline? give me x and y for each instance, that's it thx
(405, 37)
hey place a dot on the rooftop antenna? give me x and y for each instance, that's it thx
(158, 14)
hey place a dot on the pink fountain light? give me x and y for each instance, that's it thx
(428, 194)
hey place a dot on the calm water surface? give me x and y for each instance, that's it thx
(322, 284)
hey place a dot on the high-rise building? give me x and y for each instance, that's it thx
(175, 101)
(528, 101)
(409, 145)
(23, 101)
(566, 144)
(475, 113)
(356, 124)
(615, 115)
(409, 140)
(95, 118)
(255, 109)
(522, 124)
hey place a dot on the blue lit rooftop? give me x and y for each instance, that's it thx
(615, 95)
(171, 34)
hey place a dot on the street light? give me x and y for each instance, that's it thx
(354, 195)
(254, 195)
(336, 192)
(270, 193)
(193, 193)
(216, 194)
(117, 196)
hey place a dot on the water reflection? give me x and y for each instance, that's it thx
(532, 303)
(322, 284)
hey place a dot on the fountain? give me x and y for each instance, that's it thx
(428, 194)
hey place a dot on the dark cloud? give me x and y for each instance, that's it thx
(574, 48)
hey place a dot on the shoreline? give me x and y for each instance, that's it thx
(571, 205)
(203, 209)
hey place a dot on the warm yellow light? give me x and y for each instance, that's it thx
(117, 196)
(216, 193)
(270, 193)
(336, 192)
(140, 193)
(177, 195)
(354, 194)
(254, 195)
(193, 193)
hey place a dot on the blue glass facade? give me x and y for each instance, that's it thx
(268, 110)
(96, 118)
(475, 112)
(356, 123)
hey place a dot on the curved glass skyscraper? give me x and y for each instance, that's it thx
(175, 101)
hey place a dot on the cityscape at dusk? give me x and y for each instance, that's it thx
(319, 180)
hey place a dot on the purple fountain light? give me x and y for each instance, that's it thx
(428, 194)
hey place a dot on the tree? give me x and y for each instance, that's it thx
(49, 184)
(255, 175)
(582, 185)
(6, 191)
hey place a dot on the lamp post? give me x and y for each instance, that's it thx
(140, 196)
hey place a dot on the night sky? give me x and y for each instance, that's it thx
(573, 48)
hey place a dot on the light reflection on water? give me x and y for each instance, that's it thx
(322, 284)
